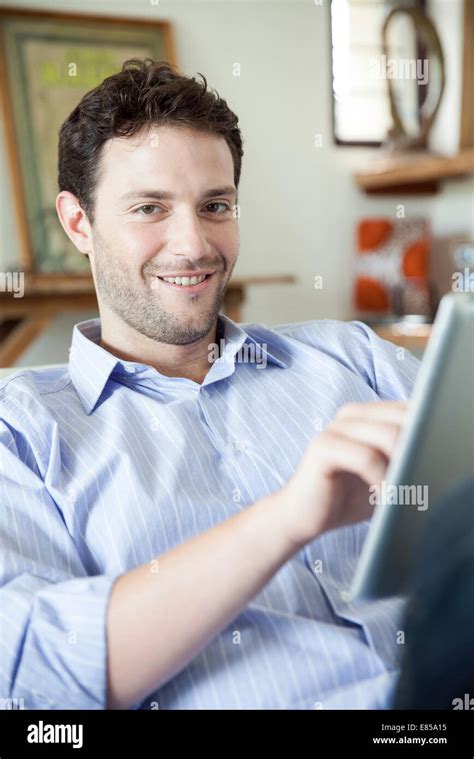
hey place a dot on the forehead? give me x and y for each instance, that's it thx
(170, 152)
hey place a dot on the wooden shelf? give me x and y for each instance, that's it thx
(416, 173)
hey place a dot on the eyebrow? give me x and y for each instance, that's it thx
(165, 195)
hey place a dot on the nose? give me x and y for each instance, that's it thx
(187, 236)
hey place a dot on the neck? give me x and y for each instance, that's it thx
(189, 361)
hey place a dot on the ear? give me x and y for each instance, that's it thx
(74, 221)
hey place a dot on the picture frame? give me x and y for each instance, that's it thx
(48, 61)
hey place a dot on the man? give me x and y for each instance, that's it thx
(169, 510)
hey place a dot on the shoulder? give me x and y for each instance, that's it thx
(38, 382)
(317, 331)
(337, 338)
(387, 368)
(26, 396)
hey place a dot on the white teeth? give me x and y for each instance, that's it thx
(185, 281)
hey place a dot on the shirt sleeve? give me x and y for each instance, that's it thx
(389, 369)
(52, 613)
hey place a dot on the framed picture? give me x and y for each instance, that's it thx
(48, 61)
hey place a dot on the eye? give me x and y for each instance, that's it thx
(217, 203)
(149, 205)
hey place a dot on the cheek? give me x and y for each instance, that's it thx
(139, 243)
(226, 237)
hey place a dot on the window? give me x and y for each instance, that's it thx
(361, 109)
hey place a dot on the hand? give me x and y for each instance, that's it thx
(330, 487)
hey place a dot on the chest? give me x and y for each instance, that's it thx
(141, 475)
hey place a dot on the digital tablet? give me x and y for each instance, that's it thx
(435, 451)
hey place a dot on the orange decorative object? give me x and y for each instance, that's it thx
(392, 266)
(372, 233)
(415, 259)
(370, 295)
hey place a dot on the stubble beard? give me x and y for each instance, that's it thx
(140, 307)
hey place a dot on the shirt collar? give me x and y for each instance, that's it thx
(91, 365)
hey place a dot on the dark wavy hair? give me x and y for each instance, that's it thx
(144, 92)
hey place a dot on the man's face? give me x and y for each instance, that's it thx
(141, 239)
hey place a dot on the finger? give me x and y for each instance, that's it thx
(338, 453)
(385, 411)
(380, 435)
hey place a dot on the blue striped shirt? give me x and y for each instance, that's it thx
(106, 463)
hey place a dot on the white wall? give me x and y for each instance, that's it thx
(299, 203)
(448, 17)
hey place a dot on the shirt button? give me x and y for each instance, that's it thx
(241, 446)
(205, 393)
(130, 369)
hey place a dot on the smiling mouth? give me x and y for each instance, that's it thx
(191, 283)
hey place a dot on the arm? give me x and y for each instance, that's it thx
(52, 612)
(70, 640)
(158, 621)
